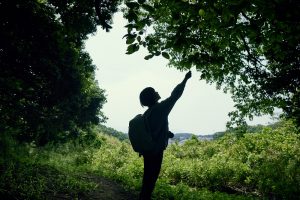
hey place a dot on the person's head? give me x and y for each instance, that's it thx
(149, 97)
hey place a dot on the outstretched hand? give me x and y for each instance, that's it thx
(188, 75)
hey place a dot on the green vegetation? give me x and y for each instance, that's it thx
(253, 166)
(48, 88)
(28, 172)
(248, 48)
(110, 131)
(50, 102)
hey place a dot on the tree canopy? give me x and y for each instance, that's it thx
(48, 89)
(249, 48)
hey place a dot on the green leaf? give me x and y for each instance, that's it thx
(148, 57)
(132, 5)
(141, 1)
(201, 12)
(126, 35)
(165, 55)
(130, 40)
(131, 16)
(128, 26)
(148, 8)
(157, 53)
(132, 48)
(140, 25)
(202, 76)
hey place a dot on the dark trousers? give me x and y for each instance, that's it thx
(152, 165)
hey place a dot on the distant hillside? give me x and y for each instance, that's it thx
(206, 137)
(112, 132)
(250, 129)
(181, 137)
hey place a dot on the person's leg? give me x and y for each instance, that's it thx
(157, 161)
(152, 165)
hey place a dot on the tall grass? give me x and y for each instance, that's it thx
(28, 172)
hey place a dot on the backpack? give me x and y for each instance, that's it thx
(140, 135)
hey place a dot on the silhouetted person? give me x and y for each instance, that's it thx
(157, 117)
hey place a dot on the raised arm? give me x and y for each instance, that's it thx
(178, 90)
(167, 104)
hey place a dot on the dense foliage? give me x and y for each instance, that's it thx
(260, 165)
(250, 48)
(263, 164)
(48, 94)
(47, 86)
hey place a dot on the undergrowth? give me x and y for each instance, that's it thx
(260, 165)
(28, 172)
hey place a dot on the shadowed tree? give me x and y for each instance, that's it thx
(249, 48)
(48, 89)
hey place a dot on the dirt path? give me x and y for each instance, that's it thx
(108, 190)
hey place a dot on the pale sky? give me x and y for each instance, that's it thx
(201, 109)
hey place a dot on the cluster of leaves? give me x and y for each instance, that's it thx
(251, 49)
(105, 10)
(48, 89)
